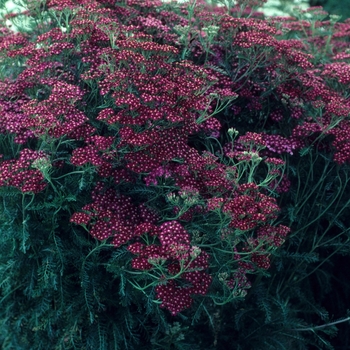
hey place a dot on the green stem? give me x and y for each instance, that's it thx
(322, 326)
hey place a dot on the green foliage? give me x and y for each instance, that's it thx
(334, 7)
(60, 288)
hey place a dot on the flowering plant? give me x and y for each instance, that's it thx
(160, 149)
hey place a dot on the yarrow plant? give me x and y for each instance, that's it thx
(171, 160)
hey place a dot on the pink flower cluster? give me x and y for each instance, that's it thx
(151, 178)
(267, 236)
(19, 173)
(183, 265)
(281, 186)
(270, 236)
(239, 282)
(249, 208)
(273, 235)
(113, 215)
(279, 144)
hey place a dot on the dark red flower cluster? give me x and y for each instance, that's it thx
(239, 282)
(274, 235)
(113, 215)
(268, 237)
(249, 208)
(259, 257)
(22, 172)
(183, 266)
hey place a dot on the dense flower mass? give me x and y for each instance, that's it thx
(248, 210)
(167, 167)
(150, 101)
(23, 172)
(179, 124)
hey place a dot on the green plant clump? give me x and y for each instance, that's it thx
(173, 176)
